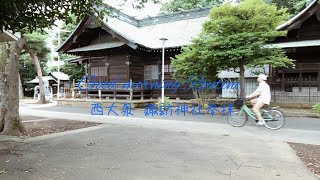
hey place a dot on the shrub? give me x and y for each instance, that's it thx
(166, 102)
(205, 106)
(316, 107)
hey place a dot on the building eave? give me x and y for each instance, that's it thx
(297, 20)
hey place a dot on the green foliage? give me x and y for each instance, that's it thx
(235, 36)
(292, 6)
(177, 5)
(190, 64)
(75, 71)
(29, 15)
(36, 43)
(66, 30)
(27, 68)
(68, 27)
(166, 102)
(316, 107)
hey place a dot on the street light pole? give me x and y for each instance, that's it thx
(59, 41)
(162, 79)
(58, 91)
(58, 30)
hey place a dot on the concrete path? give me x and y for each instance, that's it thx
(302, 123)
(131, 152)
(150, 148)
(205, 124)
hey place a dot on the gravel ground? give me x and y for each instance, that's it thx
(310, 155)
(39, 128)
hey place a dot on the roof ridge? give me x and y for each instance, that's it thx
(311, 4)
(161, 18)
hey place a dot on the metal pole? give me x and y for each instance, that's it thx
(162, 86)
(58, 92)
(162, 79)
(58, 53)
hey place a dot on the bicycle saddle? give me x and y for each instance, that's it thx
(274, 108)
(269, 107)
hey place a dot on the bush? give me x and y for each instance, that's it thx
(205, 106)
(166, 102)
(316, 107)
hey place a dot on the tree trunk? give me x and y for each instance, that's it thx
(242, 80)
(12, 124)
(3, 85)
(36, 62)
(21, 95)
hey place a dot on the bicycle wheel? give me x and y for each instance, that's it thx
(278, 119)
(237, 118)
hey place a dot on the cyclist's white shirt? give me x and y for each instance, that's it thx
(265, 94)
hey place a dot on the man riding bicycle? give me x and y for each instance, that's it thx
(263, 91)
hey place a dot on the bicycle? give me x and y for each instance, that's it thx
(242, 112)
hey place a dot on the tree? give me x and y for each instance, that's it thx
(27, 72)
(178, 5)
(25, 17)
(293, 6)
(235, 36)
(4, 53)
(189, 70)
(36, 47)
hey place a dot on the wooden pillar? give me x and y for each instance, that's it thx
(131, 94)
(309, 88)
(130, 91)
(318, 79)
(142, 94)
(282, 82)
(73, 86)
(300, 77)
(87, 71)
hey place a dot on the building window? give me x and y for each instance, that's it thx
(99, 71)
(151, 72)
(168, 68)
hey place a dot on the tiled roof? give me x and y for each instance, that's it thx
(6, 36)
(178, 28)
(179, 33)
(249, 72)
(44, 78)
(60, 75)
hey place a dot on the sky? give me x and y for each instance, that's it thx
(150, 9)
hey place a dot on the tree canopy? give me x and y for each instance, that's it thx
(30, 15)
(178, 5)
(293, 6)
(37, 42)
(235, 36)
